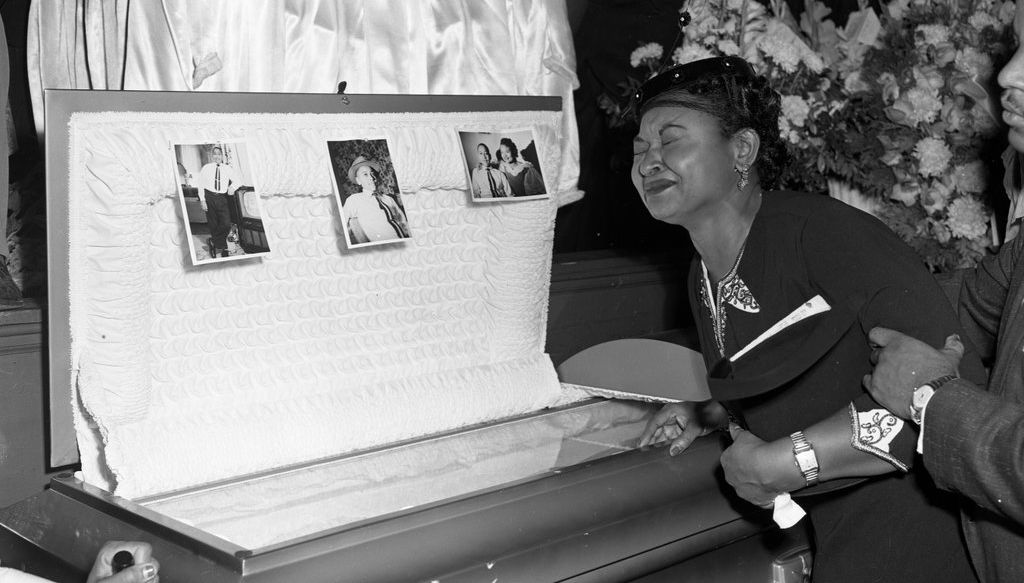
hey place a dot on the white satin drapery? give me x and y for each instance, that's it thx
(471, 47)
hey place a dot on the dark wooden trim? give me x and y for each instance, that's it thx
(21, 329)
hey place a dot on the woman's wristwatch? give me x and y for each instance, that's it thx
(806, 461)
(923, 394)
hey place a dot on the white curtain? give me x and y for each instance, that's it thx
(470, 47)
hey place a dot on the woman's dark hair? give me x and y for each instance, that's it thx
(737, 102)
(508, 143)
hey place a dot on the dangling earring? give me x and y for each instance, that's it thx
(744, 174)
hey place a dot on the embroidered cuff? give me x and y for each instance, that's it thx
(882, 434)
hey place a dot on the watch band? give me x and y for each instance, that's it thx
(941, 381)
(922, 394)
(806, 460)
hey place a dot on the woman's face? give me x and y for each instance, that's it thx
(682, 164)
(364, 176)
(506, 154)
(1011, 79)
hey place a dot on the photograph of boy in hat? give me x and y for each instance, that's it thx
(368, 194)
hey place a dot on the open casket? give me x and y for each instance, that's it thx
(323, 412)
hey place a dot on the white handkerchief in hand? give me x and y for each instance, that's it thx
(786, 512)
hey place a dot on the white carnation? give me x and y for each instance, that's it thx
(933, 155)
(967, 218)
(728, 47)
(970, 177)
(980, 20)
(932, 34)
(690, 52)
(795, 109)
(787, 132)
(973, 62)
(648, 51)
(1006, 11)
(788, 50)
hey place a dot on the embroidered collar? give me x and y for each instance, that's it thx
(730, 290)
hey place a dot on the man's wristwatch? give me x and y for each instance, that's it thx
(806, 461)
(923, 394)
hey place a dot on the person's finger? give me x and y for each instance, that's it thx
(658, 437)
(734, 430)
(653, 425)
(664, 433)
(144, 573)
(690, 432)
(880, 337)
(954, 347)
(665, 417)
(142, 552)
(650, 434)
(670, 432)
(102, 570)
(101, 566)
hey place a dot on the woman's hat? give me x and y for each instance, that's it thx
(359, 162)
(682, 75)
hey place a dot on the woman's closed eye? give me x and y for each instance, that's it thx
(670, 134)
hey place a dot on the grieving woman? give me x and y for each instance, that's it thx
(707, 154)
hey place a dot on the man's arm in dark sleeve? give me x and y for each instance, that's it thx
(979, 295)
(974, 445)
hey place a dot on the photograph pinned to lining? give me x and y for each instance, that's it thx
(503, 166)
(366, 189)
(220, 202)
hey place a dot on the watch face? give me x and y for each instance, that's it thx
(921, 395)
(807, 461)
(918, 401)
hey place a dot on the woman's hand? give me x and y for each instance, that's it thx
(145, 570)
(682, 423)
(758, 470)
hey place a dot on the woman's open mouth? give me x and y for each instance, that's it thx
(1013, 112)
(657, 186)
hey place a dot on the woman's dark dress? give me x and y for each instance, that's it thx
(892, 528)
(527, 183)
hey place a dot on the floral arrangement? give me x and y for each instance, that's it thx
(893, 113)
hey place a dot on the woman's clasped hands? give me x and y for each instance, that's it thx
(754, 468)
